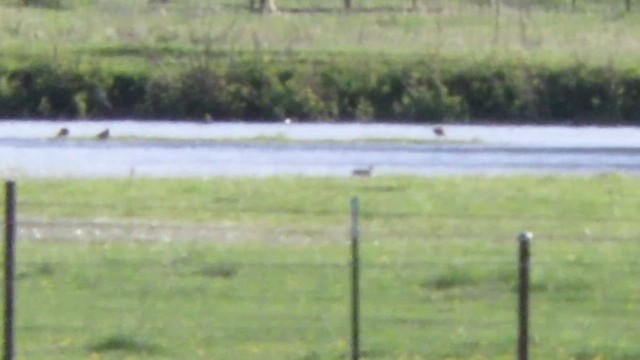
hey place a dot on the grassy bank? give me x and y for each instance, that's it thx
(594, 31)
(459, 61)
(268, 278)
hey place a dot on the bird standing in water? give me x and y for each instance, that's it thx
(104, 134)
(64, 132)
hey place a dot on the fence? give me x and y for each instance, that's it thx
(314, 6)
(337, 4)
(230, 25)
(418, 5)
(231, 274)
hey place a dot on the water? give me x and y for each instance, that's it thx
(160, 149)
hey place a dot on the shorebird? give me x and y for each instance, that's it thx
(363, 172)
(64, 132)
(103, 135)
(438, 130)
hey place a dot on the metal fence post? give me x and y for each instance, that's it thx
(9, 269)
(355, 280)
(524, 240)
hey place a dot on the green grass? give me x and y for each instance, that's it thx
(271, 281)
(135, 34)
(443, 208)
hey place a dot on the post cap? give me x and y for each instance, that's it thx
(525, 236)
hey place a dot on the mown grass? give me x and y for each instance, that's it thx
(439, 272)
(442, 208)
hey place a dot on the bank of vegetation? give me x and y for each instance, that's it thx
(431, 89)
(462, 62)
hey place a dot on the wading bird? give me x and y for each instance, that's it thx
(438, 130)
(103, 135)
(64, 132)
(363, 172)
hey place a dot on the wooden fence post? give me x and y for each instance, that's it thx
(9, 270)
(355, 279)
(524, 265)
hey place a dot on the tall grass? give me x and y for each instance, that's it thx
(602, 33)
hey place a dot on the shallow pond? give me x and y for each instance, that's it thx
(161, 149)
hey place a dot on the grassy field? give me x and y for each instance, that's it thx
(127, 33)
(457, 61)
(268, 277)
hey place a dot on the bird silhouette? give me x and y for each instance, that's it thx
(64, 132)
(363, 172)
(438, 131)
(104, 134)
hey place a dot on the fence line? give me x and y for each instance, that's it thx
(9, 270)
(355, 278)
(387, 292)
(142, 205)
(524, 241)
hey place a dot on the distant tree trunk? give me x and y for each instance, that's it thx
(627, 4)
(268, 6)
(347, 4)
(265, 6)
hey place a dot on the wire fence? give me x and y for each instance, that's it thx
(159, 32)
(402, 5)
(312, 6)
(130, 278)
(217, 7)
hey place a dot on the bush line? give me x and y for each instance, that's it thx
(425, 90)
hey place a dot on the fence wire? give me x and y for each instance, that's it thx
(163, 31)
(132, 279)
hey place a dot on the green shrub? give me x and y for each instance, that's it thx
(344, 88)
(578, 92)
(490, 91)
(127, 93)
(162, 98)
(427, 99)
(40, 91)
(202, 93)
(628, 93)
